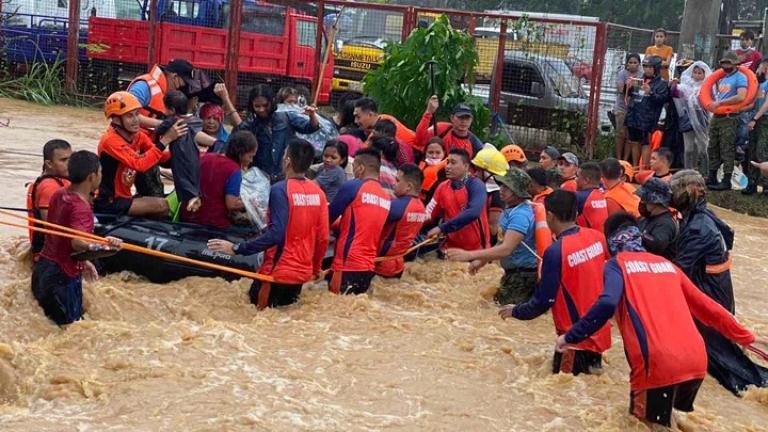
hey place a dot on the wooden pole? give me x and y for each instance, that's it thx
(152, 47)
(327, 56)
(233, 48)
(700, 24)
(73, 42)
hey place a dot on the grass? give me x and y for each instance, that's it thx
(752, 205)
(43, 83)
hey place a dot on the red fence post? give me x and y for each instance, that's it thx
(152, 48)
(317, 82)
(233, 48)
(73, 39)
(495, 96)
(598, 64)
(410, 21)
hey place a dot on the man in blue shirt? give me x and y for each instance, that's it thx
(723, 130)
(758, 139)
(517, 249)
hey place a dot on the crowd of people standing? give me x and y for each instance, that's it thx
(569, 235)
(712, 137)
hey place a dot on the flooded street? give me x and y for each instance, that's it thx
(425, 353)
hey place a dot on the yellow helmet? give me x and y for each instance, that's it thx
(490, 159)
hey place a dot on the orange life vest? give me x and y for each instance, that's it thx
(402, 134)
(543, 234)
(624, 195)
(643, 176)
(158, 85)
(36, 239)
(431, 177)
(539, 199)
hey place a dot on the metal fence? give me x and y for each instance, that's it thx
(549, 77)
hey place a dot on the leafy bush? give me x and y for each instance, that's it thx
(43, 83)
(401, 85)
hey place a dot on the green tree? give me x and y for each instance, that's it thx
(401, 85)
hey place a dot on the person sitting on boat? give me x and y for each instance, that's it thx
(213, 117)
(57, 277)
(150, 89)
(297, 235)
(406, 217)
(274, 129)
(185, 155)
(125, 150)
(362, 207)
(220, 178)
(56, 154)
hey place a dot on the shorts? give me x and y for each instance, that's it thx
(60, 296)
(516, 286)
(113, 206)
(576, 362)
(350, 282)
(637, 135)
(266, 294)
(655, 404)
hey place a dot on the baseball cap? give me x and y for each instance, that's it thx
(730, 57)
(552, 152)
(462, 110)
(184, 69)
(570, 158)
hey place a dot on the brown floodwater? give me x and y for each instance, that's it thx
(425, 353)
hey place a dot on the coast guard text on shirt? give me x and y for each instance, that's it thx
(306, 200)
(369, 198)
(583, 255)
(646, 267)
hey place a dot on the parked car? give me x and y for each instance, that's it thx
(540, 92)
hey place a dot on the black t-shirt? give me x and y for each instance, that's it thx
(660, 234)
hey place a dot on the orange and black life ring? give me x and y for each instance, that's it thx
(706, 95)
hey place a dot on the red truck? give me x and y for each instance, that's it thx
(277, 43)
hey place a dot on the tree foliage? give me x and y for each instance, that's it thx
(401, 85)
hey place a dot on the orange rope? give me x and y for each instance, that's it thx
(87, 237)
(411, 249)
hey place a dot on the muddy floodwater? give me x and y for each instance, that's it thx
(425, 353)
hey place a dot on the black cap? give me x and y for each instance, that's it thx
(187, 72)
(462, 109)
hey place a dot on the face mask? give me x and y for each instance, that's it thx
(432, 161)
(643, 209)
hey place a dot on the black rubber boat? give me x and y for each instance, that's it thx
(186, 240)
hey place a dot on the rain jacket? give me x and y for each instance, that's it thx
(705, 240)
(644, 110)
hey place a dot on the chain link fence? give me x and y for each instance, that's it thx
(549, 78)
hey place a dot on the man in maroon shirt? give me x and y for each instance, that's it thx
(57, 278)
(748, 56)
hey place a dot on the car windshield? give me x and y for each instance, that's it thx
(562, 79)
(370, 26)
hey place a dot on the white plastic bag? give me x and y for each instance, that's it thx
(254, 191)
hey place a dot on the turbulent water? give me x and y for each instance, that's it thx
(425, 353)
